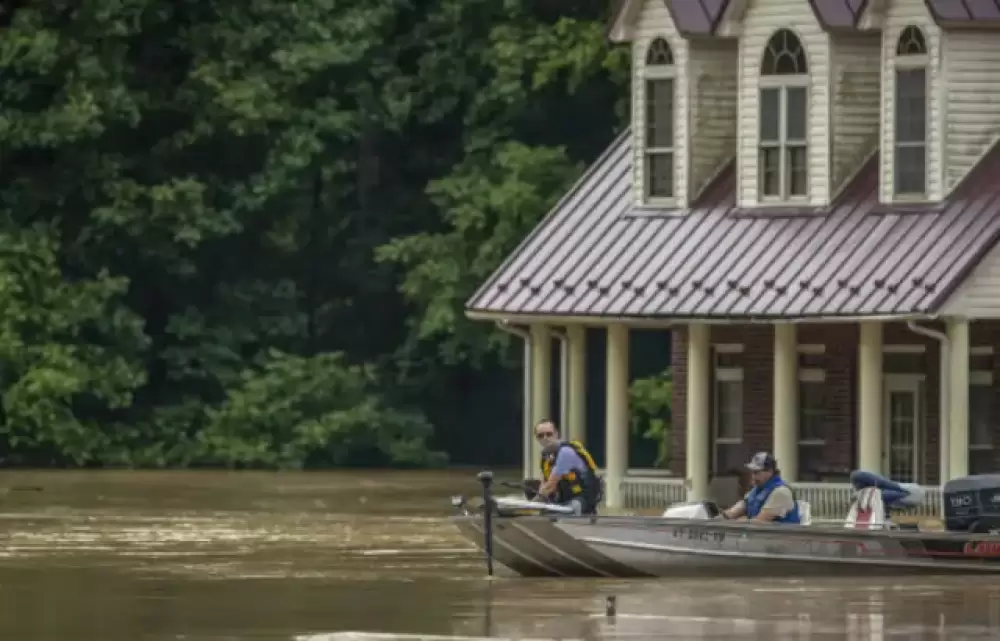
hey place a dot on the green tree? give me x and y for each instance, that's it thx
(317, 411)
(651, 401)
(207, 205)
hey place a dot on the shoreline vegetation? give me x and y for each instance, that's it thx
(240, 235)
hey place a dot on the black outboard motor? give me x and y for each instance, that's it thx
(972, 504)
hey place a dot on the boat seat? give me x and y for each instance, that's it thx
(805, 513)
(867, 511)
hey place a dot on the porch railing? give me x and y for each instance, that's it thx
(641, 490)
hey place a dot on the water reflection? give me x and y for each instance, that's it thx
(275, 557)
(952, 609)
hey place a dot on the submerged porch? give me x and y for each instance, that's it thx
(912, 400)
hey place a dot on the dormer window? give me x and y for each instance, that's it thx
(910, 145)
(784, 86)
(659, 140)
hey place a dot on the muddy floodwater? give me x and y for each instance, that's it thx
(210, 556)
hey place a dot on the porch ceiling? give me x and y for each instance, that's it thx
(597, 254)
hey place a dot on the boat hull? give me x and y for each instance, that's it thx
(535, 547)
(654, 547)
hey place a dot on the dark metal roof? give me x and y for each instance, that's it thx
(597, 254)
(965, 13)
(691, 17)
(839, 15)
(696, 17)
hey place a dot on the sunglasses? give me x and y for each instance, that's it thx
(544, 434)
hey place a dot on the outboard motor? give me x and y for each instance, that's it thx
(972, 504)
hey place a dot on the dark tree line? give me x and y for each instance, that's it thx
(240, 232)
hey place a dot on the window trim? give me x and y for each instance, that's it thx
(724, 375)
(815, 375)
(904, 348)
(980, 378)
(910, 62)
(812, 349)
(782, 82)
(811, 375)
(652, 73)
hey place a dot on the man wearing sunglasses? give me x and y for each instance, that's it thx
(770, 500)
(569, 474)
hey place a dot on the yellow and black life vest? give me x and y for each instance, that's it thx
(583, 484)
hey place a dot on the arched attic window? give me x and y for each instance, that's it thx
(910, 111)
(784, 86)
(658, 144)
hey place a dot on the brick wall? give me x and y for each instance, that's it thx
(839, 455)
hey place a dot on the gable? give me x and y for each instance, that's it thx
(691, 17)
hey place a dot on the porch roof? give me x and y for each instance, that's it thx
(598, 254)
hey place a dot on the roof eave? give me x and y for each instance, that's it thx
(668, 320)
(621, 26)
(575, 187)
(969, 23)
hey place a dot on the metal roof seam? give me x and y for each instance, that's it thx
(859, 258)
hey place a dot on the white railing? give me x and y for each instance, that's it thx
(642, 490)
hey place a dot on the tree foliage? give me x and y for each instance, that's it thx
(241, 233)
(651, 402)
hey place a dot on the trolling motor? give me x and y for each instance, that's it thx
(486, 479)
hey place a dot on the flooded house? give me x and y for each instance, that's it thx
(808, 198)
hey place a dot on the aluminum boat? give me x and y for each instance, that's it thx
(537, 539)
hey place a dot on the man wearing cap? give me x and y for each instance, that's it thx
(769, 500)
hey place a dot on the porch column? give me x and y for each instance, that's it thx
(576, 420)
(528, 463)
(786, 403)
(541, 385)
(617, 422)
(698, 428)
(958, 428)
(870, 397)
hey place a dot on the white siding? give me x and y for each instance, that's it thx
(903, 13)
(713, 84)
(655, 22)
(979, 296)
(972, 61)
(762, 19)
(856, 104)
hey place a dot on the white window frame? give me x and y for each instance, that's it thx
(915, 383)
(983, 378)
(783, 82)
(724, 375)
(904, 349)
(910, 62)
(653, 73)
(810, 375)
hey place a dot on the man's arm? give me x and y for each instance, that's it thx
(566, 460)
(778, 504)
(736, 511)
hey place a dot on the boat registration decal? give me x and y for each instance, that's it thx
(982, 548)
(698, 534)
